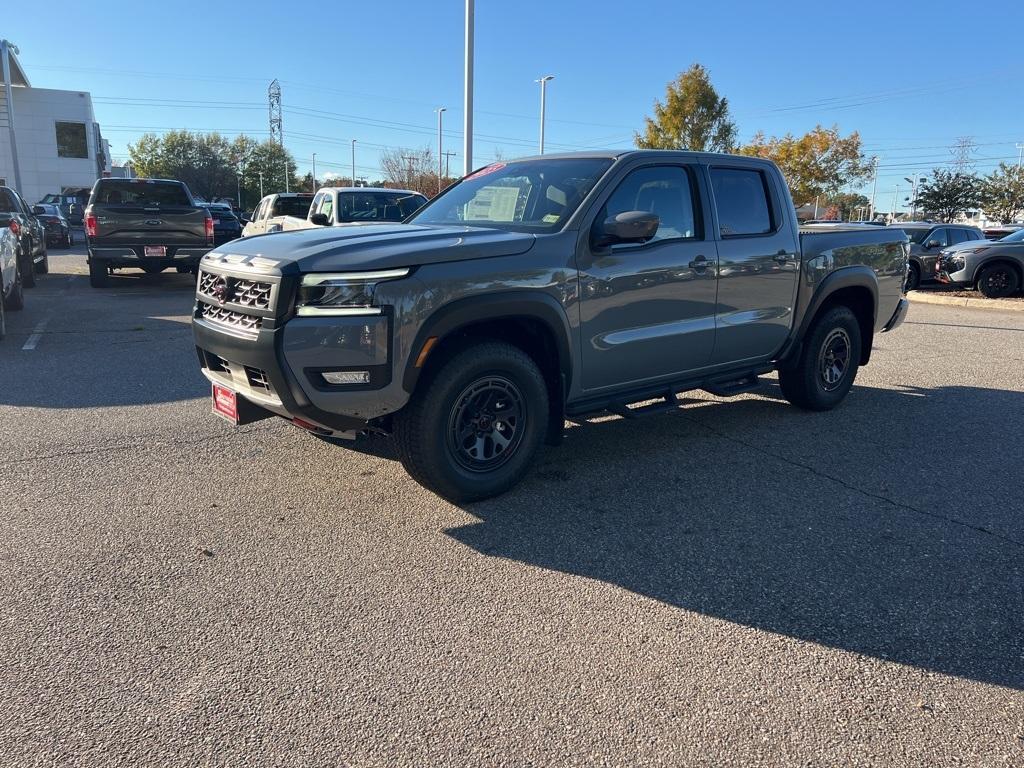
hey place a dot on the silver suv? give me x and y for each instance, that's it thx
(926, 240)
(994, 267)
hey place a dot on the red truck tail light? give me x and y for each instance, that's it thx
(209, 227)
(15, 226)
(90, 225)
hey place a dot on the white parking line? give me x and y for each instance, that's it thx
(37, 334)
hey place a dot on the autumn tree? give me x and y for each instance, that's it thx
(414, 169)
(693, 116)
(947, 194)
(819, 163)
(1001, 193)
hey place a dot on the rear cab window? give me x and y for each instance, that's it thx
(743, 202)
(292, 206)
(140, 194)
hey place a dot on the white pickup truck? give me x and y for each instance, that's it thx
(333, 206)
(269, 214)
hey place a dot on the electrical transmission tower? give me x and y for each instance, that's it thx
(962, 151)
(274, 97)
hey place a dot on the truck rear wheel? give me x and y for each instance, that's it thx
(97, 273)
(828, 362)
(473, 428)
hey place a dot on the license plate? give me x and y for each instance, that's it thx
(225, 403)
(158, 251)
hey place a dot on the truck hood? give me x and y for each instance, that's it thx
(378, 246)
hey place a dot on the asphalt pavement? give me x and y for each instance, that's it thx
(736, 583)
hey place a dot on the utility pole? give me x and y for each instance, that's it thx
(543, 92)
(895, 196)
(1020, 154)
(6, 47)
(314, 172)
(816, 205)
(440, 148)
(467, 116)
(286, 175)
(447, 158)
(408, 177)
(354, 163)
(261, 185)
(874, 186)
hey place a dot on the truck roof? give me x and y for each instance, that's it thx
(370, 189)
(614, 154)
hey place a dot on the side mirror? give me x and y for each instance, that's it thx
(320, 219)
(628, 227)
(38, 210)
(933, 244)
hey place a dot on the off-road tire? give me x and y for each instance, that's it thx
(97, 273)
(913, 277)
(425, 431)
(997, 281)
(43, 267)
(804, 384)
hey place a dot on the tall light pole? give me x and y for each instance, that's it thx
(467, 112)
(874, 186)
(895, 196)
(543, 96)
(913, 194)
(440, 148)
(1020, 154)
(261, 185)
(314, 171)
(354, 163)
(286, 175)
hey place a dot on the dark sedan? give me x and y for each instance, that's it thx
(58, 229)
(226, 226)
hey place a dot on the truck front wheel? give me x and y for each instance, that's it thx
(473, 428)
(828, 362)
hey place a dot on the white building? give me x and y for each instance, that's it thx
(57, 140)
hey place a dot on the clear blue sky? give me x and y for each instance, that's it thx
(911, 77)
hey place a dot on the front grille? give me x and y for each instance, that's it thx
(254, 294)
(230, 318)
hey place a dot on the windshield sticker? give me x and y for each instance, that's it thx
(492, 168)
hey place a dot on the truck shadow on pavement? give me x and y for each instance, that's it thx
(885, 528)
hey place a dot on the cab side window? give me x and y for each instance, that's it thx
(742, 201)
(940, 234)
(665, 191)
(959, 236)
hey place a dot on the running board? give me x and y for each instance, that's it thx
(730, 387)
(669, 403)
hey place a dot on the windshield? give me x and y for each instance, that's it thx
(140, 193)
(377, 206)
(1016, 237)
(917, 235)
(527, 196)
(292, 206)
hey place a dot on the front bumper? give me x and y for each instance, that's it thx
(275, 360)
(898, 316)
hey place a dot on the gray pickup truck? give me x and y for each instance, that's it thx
(541, 289)
(149, 224)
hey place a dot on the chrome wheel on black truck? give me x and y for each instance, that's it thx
(828, 362)
(474, 426)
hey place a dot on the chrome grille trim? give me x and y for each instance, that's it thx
(249, 325)
(240, 292)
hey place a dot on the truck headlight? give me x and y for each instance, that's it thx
(342, 293)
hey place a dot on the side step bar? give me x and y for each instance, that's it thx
(670, 401)
(734, 386)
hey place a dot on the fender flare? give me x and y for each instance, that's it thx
(513, 304)
(856, 276)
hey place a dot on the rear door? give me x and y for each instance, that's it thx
(647, 311)
(146, 212)
(758, 262)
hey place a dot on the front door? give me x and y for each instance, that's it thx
(758, 265)
(647, 311)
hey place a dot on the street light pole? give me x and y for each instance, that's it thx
(543, 93)
(467, 116)
(314, 172)
(354, 163)
(440, 148)
(261, 184)
(895, 196)
(874, 186)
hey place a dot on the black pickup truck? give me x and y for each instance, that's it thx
(149, 224)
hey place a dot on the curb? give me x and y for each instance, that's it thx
(971, 303)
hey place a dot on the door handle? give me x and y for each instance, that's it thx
(699, 263)
(782, 257)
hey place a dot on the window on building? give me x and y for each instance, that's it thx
(71, 140)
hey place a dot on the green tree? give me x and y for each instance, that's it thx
(847, 205)
(693, 117)
(819, 163)
(1002, 193)
(947, 194)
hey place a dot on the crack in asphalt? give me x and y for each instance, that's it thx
(127, 446)
(856, 489)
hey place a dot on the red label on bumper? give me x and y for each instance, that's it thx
(225, 403)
